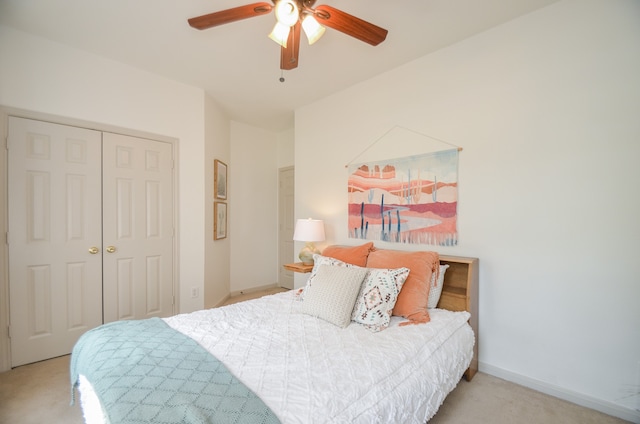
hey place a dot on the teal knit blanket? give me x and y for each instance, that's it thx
(146, 372)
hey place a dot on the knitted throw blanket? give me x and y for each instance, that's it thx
(146, 372)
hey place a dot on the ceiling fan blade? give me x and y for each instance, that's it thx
(289, 56)
(230, 15)
(350, 25)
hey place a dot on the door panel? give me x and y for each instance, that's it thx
(55, 217)
(138, 228)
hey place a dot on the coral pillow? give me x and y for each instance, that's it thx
(412, 300)
(355, 255)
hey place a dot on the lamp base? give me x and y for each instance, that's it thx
(307, 252)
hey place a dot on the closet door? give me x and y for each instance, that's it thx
(138, 228)
(55, 229)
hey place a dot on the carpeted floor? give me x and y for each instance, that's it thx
(40, 394)
(488, 399)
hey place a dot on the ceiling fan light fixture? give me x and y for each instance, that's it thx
(312, 29)
(287, 12)
(293, 16)
(280, 34)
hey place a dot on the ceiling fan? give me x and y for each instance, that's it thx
(291, 15)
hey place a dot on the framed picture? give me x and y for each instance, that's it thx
(220, 179)
(219, 220)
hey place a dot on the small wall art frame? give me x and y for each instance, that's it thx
(219, 220)
(220, 179)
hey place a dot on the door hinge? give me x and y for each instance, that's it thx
(8, 331)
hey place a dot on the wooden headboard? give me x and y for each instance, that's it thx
(460, 293)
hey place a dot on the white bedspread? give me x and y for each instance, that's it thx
(309, 371)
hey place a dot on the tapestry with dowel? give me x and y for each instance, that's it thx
(407, 200)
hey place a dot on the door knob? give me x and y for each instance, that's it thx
(93, 250)
(111, 249)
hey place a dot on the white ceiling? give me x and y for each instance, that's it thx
(237, 64)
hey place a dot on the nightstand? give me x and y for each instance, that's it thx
(298, 267)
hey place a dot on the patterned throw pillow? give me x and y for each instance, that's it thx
(333, 293)
(436, 288)
(378, 296)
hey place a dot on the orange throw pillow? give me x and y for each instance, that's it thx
(412, 300)
(354, 255)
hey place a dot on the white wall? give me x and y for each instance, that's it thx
(43, 76)
(546, 108)
(217, 252)
(286, 147)
(253, 206)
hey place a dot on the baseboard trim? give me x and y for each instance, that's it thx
(581, 399)
(223, 301)
(252, 290)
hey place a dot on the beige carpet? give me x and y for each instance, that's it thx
(40, 394)
(487, 399)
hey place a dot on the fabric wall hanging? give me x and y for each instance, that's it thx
(412, 199)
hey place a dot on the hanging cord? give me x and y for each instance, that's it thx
(407, 129)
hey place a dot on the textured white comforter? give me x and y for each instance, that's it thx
(309, 371)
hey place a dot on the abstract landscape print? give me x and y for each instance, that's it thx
(407, 200)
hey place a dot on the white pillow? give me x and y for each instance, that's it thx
(436, 288)
(378, 296)
(319, 260)
(333, 293)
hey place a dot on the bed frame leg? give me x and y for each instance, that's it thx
(469, 373)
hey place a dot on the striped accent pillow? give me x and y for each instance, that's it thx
(436, 287)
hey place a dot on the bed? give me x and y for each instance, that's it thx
(283, 363)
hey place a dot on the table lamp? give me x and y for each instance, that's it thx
(309, 231)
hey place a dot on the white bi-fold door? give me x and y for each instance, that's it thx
(90, 233)
(137, 228)
(55, 233)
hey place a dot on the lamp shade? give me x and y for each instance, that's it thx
(312, 28)
(280, 34)
(309, 230)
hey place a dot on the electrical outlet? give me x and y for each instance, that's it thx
(195, 292)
